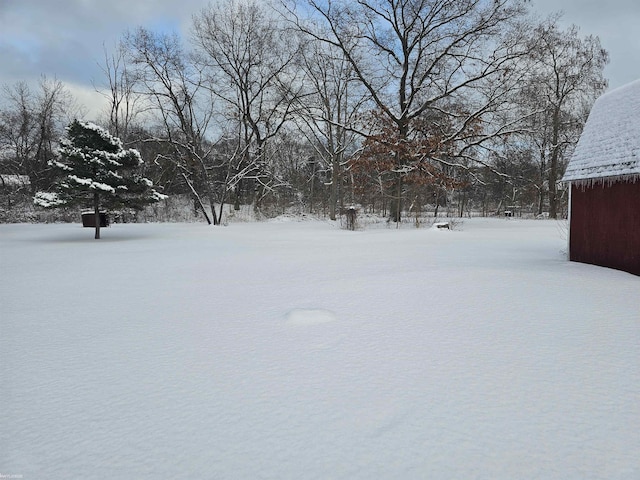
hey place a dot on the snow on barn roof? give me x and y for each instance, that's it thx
(609, 147)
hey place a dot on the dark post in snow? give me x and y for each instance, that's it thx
(96, 214)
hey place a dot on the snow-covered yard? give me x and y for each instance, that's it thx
(296, 350)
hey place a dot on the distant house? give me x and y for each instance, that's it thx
(604, 178)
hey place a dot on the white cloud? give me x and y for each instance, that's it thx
(65, 38)
(616, 24)
(93, 101)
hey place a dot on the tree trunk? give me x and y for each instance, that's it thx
(403, 133)
(553, 193)
(237, 191)
(209, 193)
(541, 200)
(553, 167)
(96, 214)
(333, 198)
(335, 178)
(396, 199)
(197, 199)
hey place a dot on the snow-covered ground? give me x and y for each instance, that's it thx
(296, 350)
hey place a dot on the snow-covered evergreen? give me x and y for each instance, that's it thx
(96, 171)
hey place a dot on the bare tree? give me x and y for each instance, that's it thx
(18, 128)
(419, 55)
(249, 58)
(182, 105)
(125, 103)
(566, 76)
(31, 123)
(330, 111)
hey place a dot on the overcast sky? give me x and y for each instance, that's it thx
(64, 39)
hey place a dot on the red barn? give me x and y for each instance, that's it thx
(604, 179)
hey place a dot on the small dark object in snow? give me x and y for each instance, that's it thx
(89, 219)
(351, 217)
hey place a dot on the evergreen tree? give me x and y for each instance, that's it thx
(94, 170)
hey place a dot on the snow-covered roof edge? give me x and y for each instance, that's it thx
(609, 147)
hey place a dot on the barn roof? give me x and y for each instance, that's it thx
(609, 147)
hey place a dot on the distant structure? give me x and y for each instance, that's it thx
(604, 179)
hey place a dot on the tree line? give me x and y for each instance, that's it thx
(392, 105)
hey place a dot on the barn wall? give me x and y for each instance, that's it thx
(605, 225)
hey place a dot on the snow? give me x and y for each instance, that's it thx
(80, 181)
(290, 350)
(102, 186)
(46, 199)
(310, 316)
(93, 185)
(61, 166)
(104, 133)
(609, 146)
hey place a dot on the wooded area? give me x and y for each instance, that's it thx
(396, 106)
